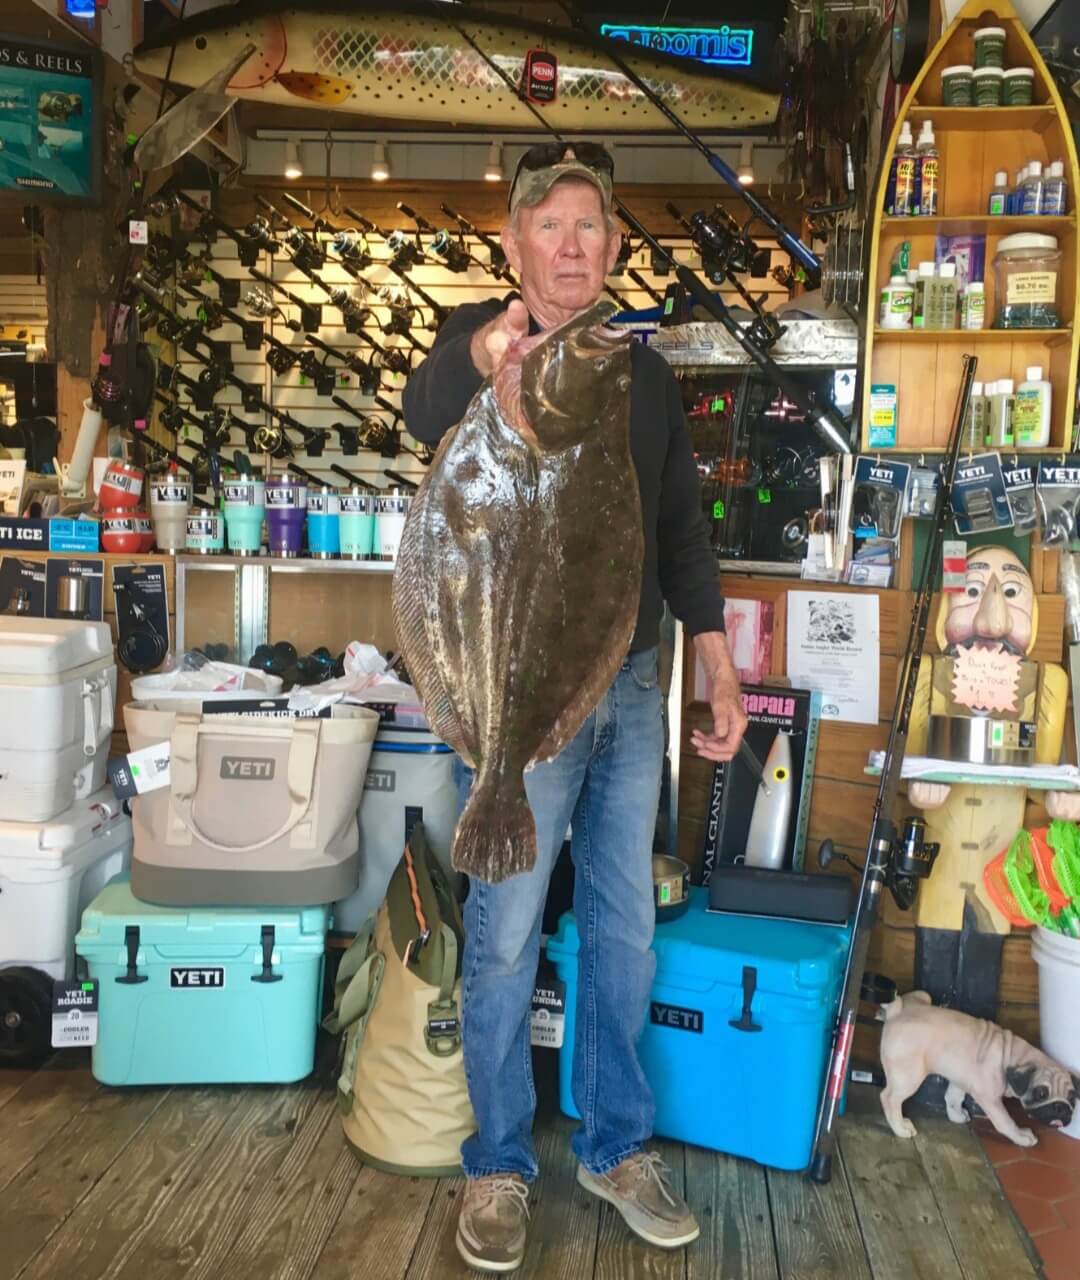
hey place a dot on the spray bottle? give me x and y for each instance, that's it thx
(927, 173)
(901, 187)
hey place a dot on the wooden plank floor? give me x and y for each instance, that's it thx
(257, 1184)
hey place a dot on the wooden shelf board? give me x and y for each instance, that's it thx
(986, 119)
(1051, 337)
(976, 224)
(915, 450)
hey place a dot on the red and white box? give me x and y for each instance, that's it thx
(749, 625)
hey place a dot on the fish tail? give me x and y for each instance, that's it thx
(496, 833)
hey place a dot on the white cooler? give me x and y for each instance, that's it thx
(49, 872)
(57, 695)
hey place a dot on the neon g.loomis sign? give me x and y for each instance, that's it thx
(728, 46)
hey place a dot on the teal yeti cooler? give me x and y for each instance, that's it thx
(202, 995)
(738, 1031)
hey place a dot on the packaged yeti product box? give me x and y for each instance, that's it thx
(765, 824)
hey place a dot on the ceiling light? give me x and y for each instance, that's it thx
(746, 165)
(380, 165)
(494, 170)
(293, 169)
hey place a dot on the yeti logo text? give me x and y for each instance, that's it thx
(671, 1015)
(247, 768)
(882, 473)
(1062, 475)
(971, 473)
(380, 780)
(201, 978)
(1022, 475)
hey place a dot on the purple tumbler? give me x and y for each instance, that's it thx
(286, 511)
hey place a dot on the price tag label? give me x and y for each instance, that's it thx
(138, 232)
(74, 1015)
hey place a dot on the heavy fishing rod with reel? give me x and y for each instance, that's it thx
(497, 266)
(823, 418)
(894, 860)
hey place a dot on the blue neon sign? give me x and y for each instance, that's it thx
(724, 46)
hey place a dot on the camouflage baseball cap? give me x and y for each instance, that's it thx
(542, 166)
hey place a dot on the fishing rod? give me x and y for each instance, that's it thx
(403, 252)
(353, 478)
(264, 306)
(310, 312)
(788, 239)
(318, 224)
(365, 370)
(497, 266)
(307, 254)
(255, 240)
(455, 256)
(352, 246)
(894, 860)
(402, 481)
(824, 419)
(213, 311)
(402, 314)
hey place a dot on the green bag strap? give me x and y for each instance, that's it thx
(356, 990)
(442, 1034)
(351, 963)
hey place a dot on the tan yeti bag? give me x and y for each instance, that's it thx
(405, 1107)
(258, 812)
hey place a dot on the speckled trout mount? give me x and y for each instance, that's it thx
(518, 579)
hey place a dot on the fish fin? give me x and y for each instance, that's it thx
(496, 833)
(410, 623)
(314, 87)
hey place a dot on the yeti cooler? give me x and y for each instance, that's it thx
(49, 871)
(197, 996)
(410, 778)
(57, 693)
(738, 1030)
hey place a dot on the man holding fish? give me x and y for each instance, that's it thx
(562, 241)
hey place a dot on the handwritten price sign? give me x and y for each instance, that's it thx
(986, 679)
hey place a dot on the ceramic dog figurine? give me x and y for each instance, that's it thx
(977, 1058)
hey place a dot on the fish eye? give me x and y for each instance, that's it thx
(200, 43)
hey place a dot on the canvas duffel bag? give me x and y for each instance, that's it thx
(401, 1089)
(258, 812)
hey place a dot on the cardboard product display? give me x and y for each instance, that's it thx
(782, 722)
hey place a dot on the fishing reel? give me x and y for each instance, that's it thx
(217, 427)
(454, 255)
(271, 440)
(281, 358)
(404, 251)
(171, 416)
(320, 373)
(354, 312)
(909, 859)
(260, 233)
(352, 247)
(723, 245)
(380, 437)
(306, 254)
(261, 305)
(348, 439)
(401, 320)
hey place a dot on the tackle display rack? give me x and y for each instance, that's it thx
(974, 143)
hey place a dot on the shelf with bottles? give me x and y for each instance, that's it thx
(1047, 337)
(982, 224)
(1033, 119)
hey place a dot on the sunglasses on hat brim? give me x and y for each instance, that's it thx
(546, 155)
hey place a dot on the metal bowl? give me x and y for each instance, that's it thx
(671, 887)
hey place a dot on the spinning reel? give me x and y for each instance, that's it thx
(455, 257)
(404, 251)
(352, 247)
(261, 305)
(908, 859)
(260, 232)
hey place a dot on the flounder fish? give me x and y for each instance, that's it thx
(410, 61)
(518, 578)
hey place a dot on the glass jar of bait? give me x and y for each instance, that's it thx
(1026, 269)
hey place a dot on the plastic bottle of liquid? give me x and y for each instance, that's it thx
(1055, 190)
(998, 201)
(1016, 195)
(1031, 411)
(897, 303)
(927, 173)
(901, 187)
(939, 308)
(975, 422)
(1001, 431)
(925, 277)
(973, 311)
(1033, 189)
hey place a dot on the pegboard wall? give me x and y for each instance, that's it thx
(296, 394)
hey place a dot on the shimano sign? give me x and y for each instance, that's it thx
(723, 46)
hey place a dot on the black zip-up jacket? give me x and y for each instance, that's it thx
(679, 563)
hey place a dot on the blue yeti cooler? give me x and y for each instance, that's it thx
(206, 995)
(739, 1029)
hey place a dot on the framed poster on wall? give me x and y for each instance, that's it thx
(50, 122)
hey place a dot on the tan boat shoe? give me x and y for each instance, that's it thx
(640, 1190)
(491, 1225)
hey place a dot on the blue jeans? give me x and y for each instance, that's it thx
(607, 784)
